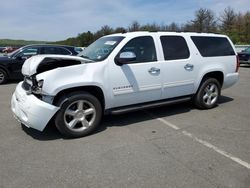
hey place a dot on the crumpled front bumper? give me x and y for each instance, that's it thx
(30, 110)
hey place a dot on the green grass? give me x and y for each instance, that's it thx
(10, 42)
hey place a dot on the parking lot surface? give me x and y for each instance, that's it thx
(171, 146)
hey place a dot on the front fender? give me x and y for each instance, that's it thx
(57, 80)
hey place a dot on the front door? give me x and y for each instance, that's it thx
(137, 81)
(19, 59)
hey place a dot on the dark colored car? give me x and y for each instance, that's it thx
(11, 65)
(244, 56)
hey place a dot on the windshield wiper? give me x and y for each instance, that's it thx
(84, 56)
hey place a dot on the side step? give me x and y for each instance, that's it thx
(130, 108)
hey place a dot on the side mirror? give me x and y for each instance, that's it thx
(22, 58)
(125, 57)
(19, 58)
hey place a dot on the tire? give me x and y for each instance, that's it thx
(79, 115)
(208, 94)
(3, 76)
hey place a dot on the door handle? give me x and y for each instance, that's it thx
(154, 70)
(189, 67)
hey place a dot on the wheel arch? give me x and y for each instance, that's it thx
(5, 70)
(92, 89)
(217, 74)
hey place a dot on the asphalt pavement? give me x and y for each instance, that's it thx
(171, 146)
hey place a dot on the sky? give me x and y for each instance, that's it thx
(53, 20)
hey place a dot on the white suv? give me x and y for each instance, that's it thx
(123, 72)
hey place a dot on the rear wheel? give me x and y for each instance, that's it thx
(3, 76)
(208, 94)
(79, 116)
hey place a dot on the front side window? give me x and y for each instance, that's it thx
(174, 47)
(246, 50)
(64, 51)
(213, 46)
(142, 47)
(101, 48)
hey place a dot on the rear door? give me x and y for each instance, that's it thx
(179, 67)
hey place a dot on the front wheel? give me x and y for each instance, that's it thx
(208, 94)
(3, 76)
(79, 116)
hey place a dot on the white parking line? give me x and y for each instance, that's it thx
(204, 143)
(218, 150)
(168, 123)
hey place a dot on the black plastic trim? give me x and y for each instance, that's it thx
(136, 107)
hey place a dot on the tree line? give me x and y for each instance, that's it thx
(234, 24)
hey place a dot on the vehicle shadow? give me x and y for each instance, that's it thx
(51, 133)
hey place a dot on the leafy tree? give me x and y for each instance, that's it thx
(227, 19)
(135, 26)
(235, 25)
(173, 27)
(204, 21)
(120, 30)
(105, 30)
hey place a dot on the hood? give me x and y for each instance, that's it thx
(5, 59)
(41, 63)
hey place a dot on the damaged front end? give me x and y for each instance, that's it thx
(32, 101)
(39, 64)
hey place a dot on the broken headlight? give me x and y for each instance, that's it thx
(37, 87)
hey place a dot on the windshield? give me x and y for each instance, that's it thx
(247, 49)
(101, 48)
(14, 52)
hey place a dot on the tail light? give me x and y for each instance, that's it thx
(237, 64)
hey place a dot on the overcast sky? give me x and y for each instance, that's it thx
(54, 20)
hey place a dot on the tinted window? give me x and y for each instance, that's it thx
(27, 52)
(213, 46)
(174, 47)
(143, 47)
(55, 50)
(64, 51)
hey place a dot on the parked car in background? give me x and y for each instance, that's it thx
(11, 65)
(79, 49)
(1, 49)
(9, 49)
(244, 56)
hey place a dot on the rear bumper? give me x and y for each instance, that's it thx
(30, 110)
(230, 79)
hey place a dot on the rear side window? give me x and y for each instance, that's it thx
(174, 47)
(56, 50)
(64, 51)
(213, 46)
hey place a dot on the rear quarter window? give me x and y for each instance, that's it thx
(213, 46)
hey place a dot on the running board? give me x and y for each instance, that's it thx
(130, 108)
